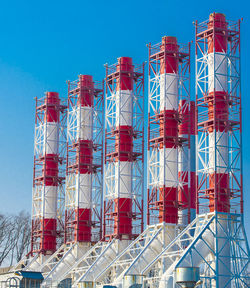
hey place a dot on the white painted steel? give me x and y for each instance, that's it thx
(137, 255)
(217, 72)
(168, 91)
(168, 167)
(69, 256)
(85, 123)
(123, 179)
(218, 152)
(51, 138)
(84, 188)
(49, 200)
(102, 261)
(124, 108)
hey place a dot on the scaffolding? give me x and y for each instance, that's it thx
(42, 135)
(94, 165)
(116, 107)
(84, 130)
(158, 55)
(215, 241)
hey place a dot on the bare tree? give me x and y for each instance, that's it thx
(14, 237)
(6, 237)
(22, 230)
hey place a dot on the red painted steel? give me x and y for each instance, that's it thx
(168, 210)
(218, 112)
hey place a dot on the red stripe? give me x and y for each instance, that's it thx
(122, 216)
(171, 62)
(85, 156)
(221, 181)
(49, 234)
(169, 124)
(87, 87)
(218, 101)
(168, 198)
(218, 41)
(82, 231)
(52, 101)
(125, 81)
(50, 170)
(124, 143)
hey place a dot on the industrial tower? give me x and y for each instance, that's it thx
(83, 196)
(213, 248)
(83, 199)
(123, 194)
(48, 180)
(126, 267)
(195, 230)
(124, 167)
(171, 123)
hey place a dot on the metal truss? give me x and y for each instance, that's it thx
(155, 140)
(61, 263)
(196, 246)
(75, 264)
(151, 239)
(230, 162)
(87, 261)
(38, 187)
(111, 180)
(73, 121)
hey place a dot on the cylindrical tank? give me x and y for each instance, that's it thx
(132, 281)
(86, 284)
(187, 277)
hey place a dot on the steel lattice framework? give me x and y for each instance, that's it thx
(41, 196)
(229, 161)
(161, 55)
(73, 186)
(115, 106)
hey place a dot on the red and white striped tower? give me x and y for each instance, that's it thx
(217, 98)
(168, 207)
(124, 148)
(187, 159)
(81, 168)
(169, 86)
(218, 104)
(46, 178)
(122, 155)
(84, 159)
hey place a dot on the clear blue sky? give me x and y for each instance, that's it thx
(45, 43)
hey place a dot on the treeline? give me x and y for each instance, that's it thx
(14, 237)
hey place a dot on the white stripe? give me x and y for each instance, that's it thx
(49, 199)
(124, 108)
(85, 123)
(169, 164)
(217, 72)
(51, 136)
(84, 189)
(123, 179)
(221, 152)
(169, 91)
